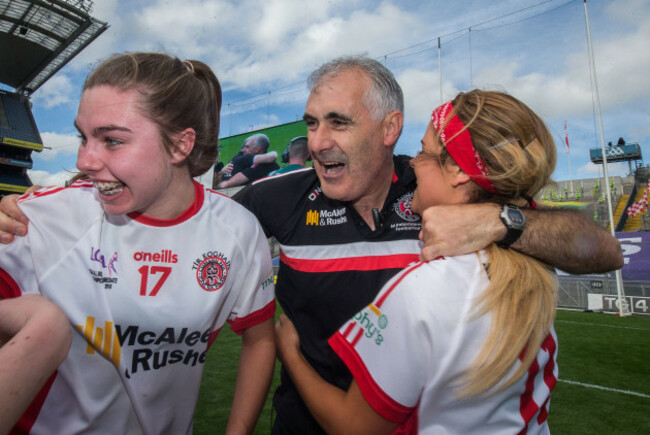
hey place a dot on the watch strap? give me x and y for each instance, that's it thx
(512, 233)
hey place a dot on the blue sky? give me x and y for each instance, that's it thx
(263, 50)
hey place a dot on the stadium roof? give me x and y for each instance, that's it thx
(38, 37)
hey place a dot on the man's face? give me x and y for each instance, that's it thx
(346, 143)
(249, 147)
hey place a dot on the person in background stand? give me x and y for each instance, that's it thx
(296, 155)
(252, 163)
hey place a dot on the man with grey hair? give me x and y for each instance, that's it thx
(252, 163)
(346, 227)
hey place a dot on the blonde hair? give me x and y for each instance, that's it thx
(519, 153)
(175, 95)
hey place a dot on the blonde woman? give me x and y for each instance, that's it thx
(460, 344)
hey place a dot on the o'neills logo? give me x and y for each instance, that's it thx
(403, 208)
(164, 256)
(315, 193)
(211, 270)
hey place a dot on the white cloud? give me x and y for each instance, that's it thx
(283, 20)
(56, 91)
(592, 170)
(273, 120)
(629, 11)
(316, 40)
(259, 45)
(59, 144)
(43, 178)
(422, 93)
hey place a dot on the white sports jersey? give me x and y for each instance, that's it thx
(408, 349)
(146, 298)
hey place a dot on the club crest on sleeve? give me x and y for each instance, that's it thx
(403, 208)
(211, 270)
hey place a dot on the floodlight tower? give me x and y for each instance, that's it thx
(37, 38)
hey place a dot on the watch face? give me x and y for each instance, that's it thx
(516, 217)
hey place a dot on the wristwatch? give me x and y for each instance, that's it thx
(515, 221)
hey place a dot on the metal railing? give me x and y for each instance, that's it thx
(574, 290)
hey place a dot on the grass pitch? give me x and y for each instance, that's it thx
(604, 387)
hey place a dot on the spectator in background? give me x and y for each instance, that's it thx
(296, 155)
(252, 163)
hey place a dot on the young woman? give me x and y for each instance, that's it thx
(460, 344)
(147, 264)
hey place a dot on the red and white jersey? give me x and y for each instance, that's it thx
(145, 298)
(409, 348)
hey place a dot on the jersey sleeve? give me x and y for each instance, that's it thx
(17, 272)
(386, 349)
(57, 216)
(256, 297)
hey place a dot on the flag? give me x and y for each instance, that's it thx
(640, 205)
(566, 138)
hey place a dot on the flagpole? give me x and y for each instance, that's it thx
(619, 277)
(568, 152)
(440, 70)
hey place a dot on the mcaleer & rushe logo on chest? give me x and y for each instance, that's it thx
(145, 349)
(325, 218)
(211, 270)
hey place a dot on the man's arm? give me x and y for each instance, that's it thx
(336, 410)
(39, 337)
(254, 376)
(236, 180)
(269, 157)
(565, 239)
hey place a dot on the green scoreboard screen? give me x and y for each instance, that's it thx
(279, 136)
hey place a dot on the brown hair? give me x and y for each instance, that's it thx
(519, 153)
(175, 95)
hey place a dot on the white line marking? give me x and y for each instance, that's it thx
(597, 324)
(598, 387)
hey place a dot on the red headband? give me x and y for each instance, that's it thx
(456, 138)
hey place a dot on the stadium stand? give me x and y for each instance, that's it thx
(37, 38)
